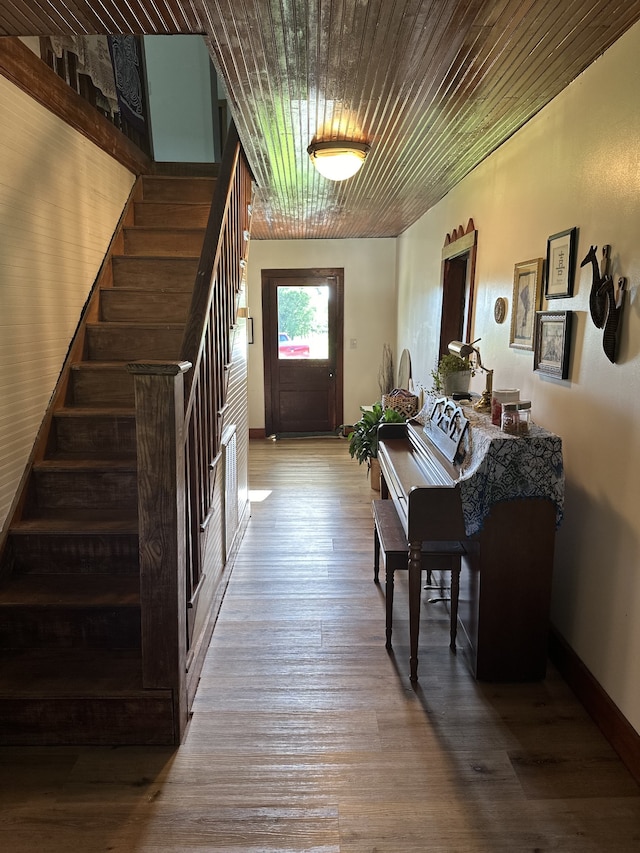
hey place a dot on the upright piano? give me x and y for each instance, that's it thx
(502, 496)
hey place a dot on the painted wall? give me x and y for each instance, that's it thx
(576, 164)
(369, 310)
(180, 98)
(60, 199)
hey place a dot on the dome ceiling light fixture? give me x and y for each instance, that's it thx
(339, 159)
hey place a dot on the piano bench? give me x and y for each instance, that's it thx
(390, 544)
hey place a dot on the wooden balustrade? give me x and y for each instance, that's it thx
(207, 345)
(180, 417)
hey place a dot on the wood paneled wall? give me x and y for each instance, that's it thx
(60, 200)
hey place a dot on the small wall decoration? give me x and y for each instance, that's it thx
(597, 301)
(612, 323)
(500, 309)
(605, 301)
(561, 264)
(552, 343)
(527, 287)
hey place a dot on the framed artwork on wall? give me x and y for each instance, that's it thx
(561, 264)
(552, 343)
(527, 286)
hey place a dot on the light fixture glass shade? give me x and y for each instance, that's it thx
(338, 160)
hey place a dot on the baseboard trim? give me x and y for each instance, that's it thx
(257, 433)
(606, 714)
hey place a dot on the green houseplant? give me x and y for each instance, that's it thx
(452, 374)
(363, 440)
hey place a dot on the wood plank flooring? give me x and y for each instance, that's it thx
(307, 736)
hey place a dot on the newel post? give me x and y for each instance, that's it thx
(159, 396)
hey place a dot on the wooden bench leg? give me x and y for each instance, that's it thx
(376, 555)
(388, 594)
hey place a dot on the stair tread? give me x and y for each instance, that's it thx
(77, 525)
(182, 229)
(100, 365)
(88, 673)
(95, 411)
(73, 590)
(179, 259)
(134, 325)
(161, 203)
(141, 291)
(87, 464)
(80, 515)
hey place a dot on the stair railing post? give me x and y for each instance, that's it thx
(159, 397)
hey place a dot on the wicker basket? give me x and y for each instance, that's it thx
(405, 404)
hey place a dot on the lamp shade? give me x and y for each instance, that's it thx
(461, 349)
(338, 160)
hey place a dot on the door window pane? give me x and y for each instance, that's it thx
(303, 322)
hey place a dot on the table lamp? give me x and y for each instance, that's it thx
(463, 350)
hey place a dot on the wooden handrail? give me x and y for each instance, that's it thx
(193, 340)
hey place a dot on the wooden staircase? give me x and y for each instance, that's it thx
(70, 621)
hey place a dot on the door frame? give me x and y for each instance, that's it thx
(337, 402)
(460, 250)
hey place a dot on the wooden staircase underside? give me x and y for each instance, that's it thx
(70, 639)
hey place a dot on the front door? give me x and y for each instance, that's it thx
(302, 324)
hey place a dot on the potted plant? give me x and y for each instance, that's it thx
(363, 440)
(453, 374)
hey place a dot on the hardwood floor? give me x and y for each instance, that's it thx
(308, 736)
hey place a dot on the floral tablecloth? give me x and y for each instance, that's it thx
(501, 467)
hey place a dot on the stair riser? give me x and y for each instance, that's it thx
(155, 273)
(83, 490)
(169, 215)
(76, 720)
(33, 627)
(103, 387)
(119, 306)
(179, 189)
(183, 242)
(113, 344)
(77, 554)
(93, 436)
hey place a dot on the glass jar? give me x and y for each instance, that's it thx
(499, 397)
(524, 416)
(510, 418)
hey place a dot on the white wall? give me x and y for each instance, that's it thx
(181, 101)
(369, 310)
(576, 164)
(60, 199)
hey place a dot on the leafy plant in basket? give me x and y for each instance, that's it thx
(363, 440)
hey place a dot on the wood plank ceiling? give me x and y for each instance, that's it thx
(434, 86)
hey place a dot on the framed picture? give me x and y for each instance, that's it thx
(527, 286)
(561, 264)
(552, 343)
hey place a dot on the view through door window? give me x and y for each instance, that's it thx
(303, 322)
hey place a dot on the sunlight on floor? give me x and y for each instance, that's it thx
(258, 495)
